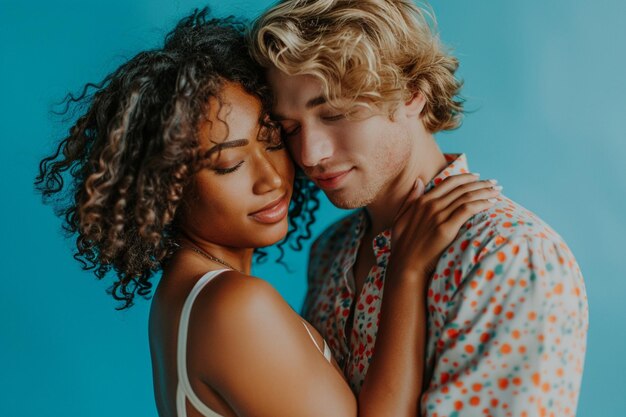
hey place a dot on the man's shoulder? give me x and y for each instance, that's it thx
(508, 220)
(506, 243)
(505, 225)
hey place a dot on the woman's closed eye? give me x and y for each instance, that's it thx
(228, 170)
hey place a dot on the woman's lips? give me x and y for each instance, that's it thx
(333, 180)
(274, 212)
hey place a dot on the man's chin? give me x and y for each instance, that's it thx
(346, 201)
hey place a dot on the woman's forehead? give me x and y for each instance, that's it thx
(234, 114)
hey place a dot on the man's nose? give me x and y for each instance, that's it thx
(315, 146)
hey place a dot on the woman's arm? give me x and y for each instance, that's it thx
(393, 382)
(424, 227)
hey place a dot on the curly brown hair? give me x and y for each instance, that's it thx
(118, 178)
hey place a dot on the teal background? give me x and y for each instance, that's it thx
(544, 81)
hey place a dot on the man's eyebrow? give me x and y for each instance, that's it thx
(226, 145)
(314, 102)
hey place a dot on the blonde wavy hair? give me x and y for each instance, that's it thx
(364, 52)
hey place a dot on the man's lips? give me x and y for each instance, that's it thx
(331, 180)
(274, 211)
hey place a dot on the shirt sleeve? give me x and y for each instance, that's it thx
(508, 336)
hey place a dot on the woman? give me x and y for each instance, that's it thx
(175, 166)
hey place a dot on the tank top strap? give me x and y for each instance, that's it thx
(326, 351)
(184, 390)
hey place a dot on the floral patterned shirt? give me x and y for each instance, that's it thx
(507, 312)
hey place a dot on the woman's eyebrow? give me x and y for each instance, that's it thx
(226, 145)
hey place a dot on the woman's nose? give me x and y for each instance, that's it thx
(269, 177)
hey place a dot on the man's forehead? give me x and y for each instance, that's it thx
(295, 91)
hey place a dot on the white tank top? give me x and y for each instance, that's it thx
(184, 390)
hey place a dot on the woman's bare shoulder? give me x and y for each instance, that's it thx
(235, 300)
(253, 348)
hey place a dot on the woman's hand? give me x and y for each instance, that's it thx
(427, 223)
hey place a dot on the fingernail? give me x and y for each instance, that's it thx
(498, 187)
(476, 174)
(420, 187)
(493, 181)
(493, 200)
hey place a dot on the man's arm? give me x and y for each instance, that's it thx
(510, 339)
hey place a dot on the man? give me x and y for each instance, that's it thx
(361, 86)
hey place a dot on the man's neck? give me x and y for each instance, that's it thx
(425, 162)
